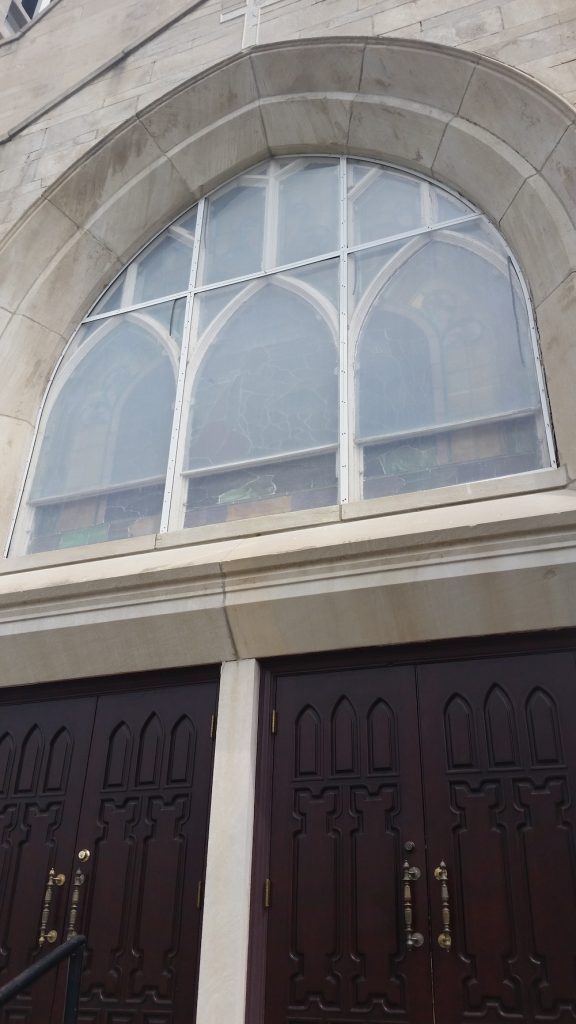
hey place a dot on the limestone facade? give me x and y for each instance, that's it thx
(116, 118)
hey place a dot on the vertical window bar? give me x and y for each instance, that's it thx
(270, 239)
(186, 336)
(343, 340)
(540, 376)
(427, 204)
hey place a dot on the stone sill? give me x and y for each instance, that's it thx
(394, 505)
(501, 565)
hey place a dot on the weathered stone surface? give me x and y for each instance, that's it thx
(537, 226)
(226, 903)
(90, 98)
(309, 123)
(34, 243)
(556, 317)
(143, 207)
(321, 68)
(91, 186)
(402, 132)
(436, 79)
(560, 171)
(189, 111)
(70, 283)
(15, 440)
(533, 124)
(28, 353)
(499, 172)
(220, 152)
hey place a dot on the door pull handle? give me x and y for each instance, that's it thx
(409, 875)
(49, 936)
(445, 937)
(77, 884)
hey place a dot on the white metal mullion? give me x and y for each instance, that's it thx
(132, 309)
(544, 399)
(270, 234)
(129, 286)
(344, 439)
(414, 233)
(427, 204)
(284, 268)
(176, 449)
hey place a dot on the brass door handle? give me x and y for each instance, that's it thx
(53, 879)
(409, 875)
(445, 937)
(78, 882)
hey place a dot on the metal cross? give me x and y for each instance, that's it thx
(251, 15)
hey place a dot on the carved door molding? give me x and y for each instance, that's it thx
(472, 761)
(125, 776)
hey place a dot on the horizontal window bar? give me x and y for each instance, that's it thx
(133, 309)
(283, 268)
(99, 492)
(428, 229)
(266, 460)
(445, 428)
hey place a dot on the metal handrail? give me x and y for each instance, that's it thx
(73, 949)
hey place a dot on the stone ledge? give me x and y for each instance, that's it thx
(499, 566)
(458, 494)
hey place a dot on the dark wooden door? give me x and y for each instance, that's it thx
(346, 799)
(475, 763)
(499, 756)
(144, 820)
(43, 754)
(126, 777)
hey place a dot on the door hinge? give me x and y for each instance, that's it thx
(213, 724)
(274, 722)
(267, 893)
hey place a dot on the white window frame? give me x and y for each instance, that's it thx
(15, 9)
(350, 454)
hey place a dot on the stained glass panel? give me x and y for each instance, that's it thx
(444, 341)
(425, 462)
(416, 351)
(268, 381)
(267, 386)
(266, 489)
(307, 198)
(105, 441)
(382, 204)
(163, 268)
(233, 237)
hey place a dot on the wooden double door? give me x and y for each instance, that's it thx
(103, 821)
(422, 856)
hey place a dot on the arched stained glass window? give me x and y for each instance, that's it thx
(317, 330)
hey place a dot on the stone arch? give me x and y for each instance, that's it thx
(492, 133)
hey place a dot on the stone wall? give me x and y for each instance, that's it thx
(86, 66)
(104, 143)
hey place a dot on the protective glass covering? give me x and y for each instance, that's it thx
(319, 329)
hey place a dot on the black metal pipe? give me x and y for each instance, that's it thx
(73, 985)
(74, 949)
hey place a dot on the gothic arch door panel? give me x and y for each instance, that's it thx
(346, 801)
(144, 822)
(475, 763)
(499, 756)
(125, 776)
(43, 754)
